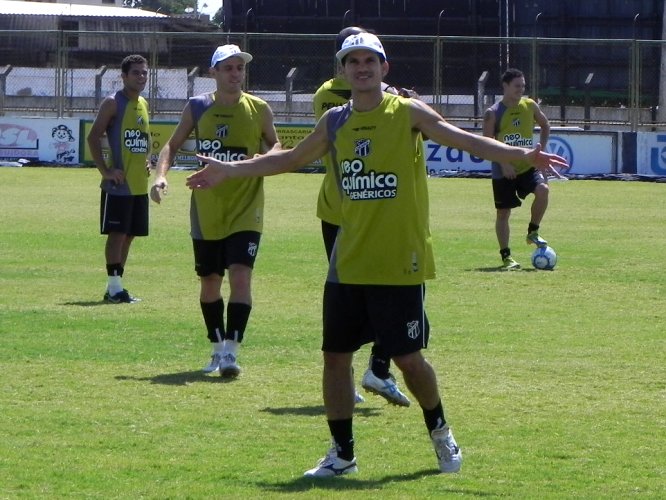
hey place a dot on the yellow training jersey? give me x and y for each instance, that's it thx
(380, 171)
(334, 92)
(129, 145)
(228, 133)
(514, 126)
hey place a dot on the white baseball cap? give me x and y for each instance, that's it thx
(366, 41)
(226, 51)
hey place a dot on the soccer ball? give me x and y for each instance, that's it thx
(544, 258)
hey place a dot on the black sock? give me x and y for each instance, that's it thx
(434, 419)
(237, 316)
(505, 252)
(532, 227)
(114, 270)
(380, 362)
(341, 430)
(213, 315)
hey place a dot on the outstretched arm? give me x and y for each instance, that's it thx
(313, 147)
(439, 130)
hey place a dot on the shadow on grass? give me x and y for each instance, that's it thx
(309, 411)
(355, 484)
(500, 270)
(182, 378)
(89, 303)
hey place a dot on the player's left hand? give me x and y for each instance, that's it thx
(159, 189)
(544, 161)
(214, 173)
(556, 173)
(410, 93)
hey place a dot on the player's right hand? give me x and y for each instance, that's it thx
(214, 172)
(159, 189)
(115, 175)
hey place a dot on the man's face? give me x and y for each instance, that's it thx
(136, 78)
(515, 88)
(229, 74)
(364, 70)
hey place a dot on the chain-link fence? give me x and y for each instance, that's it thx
(599, 84)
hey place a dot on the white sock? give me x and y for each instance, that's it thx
(218, 346)
(115, 285)
(231, 346)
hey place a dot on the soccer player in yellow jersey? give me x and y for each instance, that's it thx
(336, 92)
(226, 222)
(123, 118)
(511, 121)
(383, 251)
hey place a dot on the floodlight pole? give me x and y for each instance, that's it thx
(437, 70)
(344, 18)
(635, 80)
(535, 60)
(247, 15)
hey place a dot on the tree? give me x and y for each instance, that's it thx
(218, 17)
(161, 6)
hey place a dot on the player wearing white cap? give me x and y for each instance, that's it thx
(226, 222)
(383, 252)
(336, 92)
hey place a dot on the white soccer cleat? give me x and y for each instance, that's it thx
(533, 238)
(448, 452)
(228, 366)
(214, 364)
(508, 264)
(387, 389)
(332, 465)
(358, 398)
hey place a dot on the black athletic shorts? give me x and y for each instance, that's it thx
(214, 256)
(329, 233)
(358, 314)
(124, 214)
(509, 192)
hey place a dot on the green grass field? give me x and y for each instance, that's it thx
(554, 382)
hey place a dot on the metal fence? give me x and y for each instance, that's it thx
(597, 84)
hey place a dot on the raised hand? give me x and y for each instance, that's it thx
(212, 174)
(545, 161)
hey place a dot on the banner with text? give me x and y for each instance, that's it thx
(53, 140)
(62, 141)
(586, 152)
(651, 153)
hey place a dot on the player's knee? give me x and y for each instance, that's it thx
(337, 360)
(240, 287)
(240, 279)
(410, 363)
(210, 287)
(542, 190)
(503, 214)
